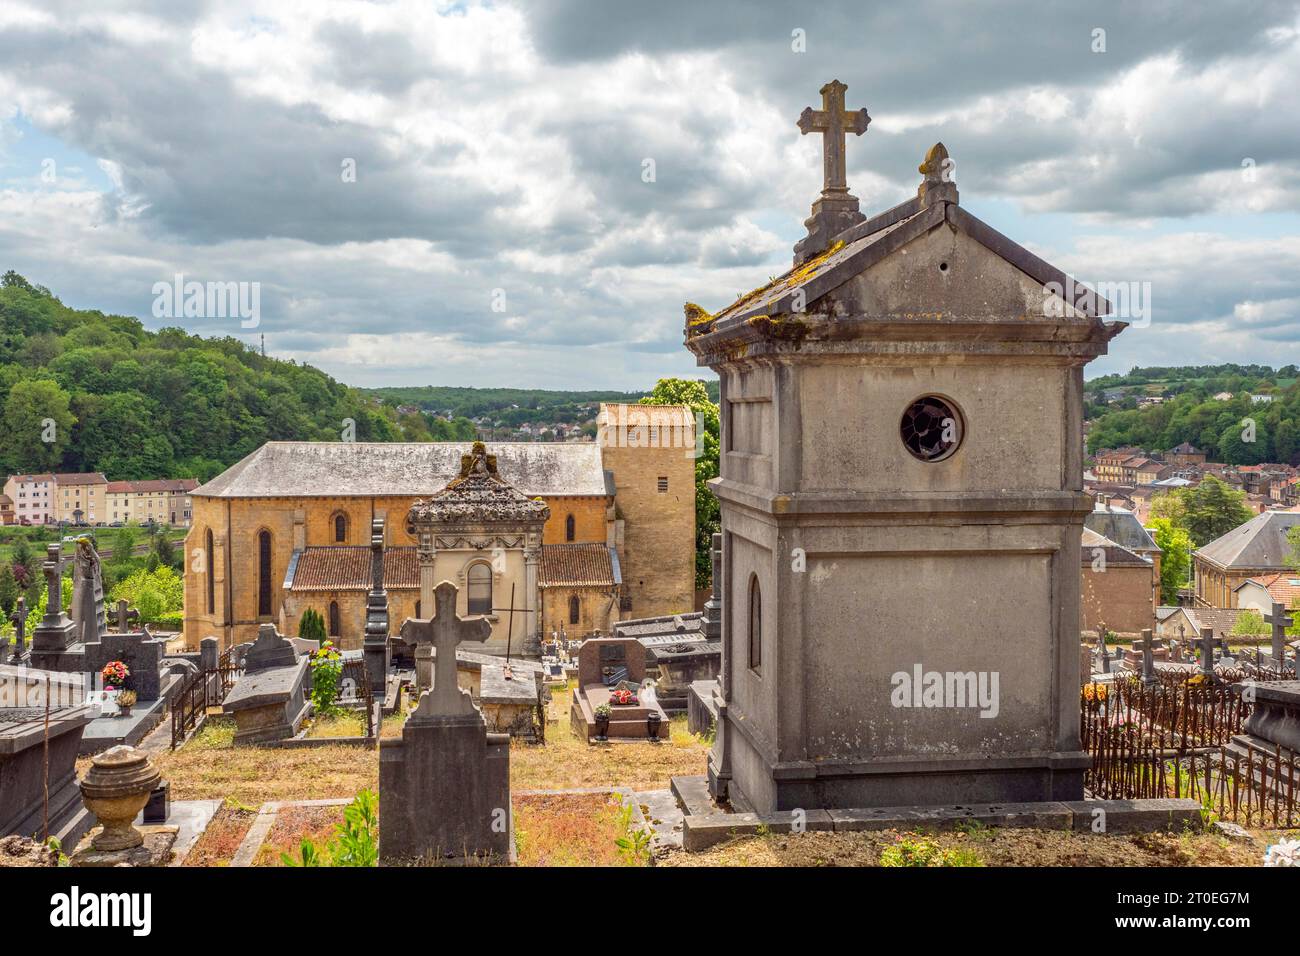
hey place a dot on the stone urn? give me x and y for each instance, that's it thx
(115, 790)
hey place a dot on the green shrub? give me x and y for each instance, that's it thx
(311, 626)
(355, 842)
(909, 852)
(326, 675)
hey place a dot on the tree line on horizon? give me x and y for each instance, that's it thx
(1238, 431)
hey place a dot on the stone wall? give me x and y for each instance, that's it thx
(1120, 596)
(658, 555)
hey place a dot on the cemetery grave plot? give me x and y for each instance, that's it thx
(982, 847)
(572, 829)
(292, 825)
(222, 837)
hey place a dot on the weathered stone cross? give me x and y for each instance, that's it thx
(1147, 647)
(1207, 643)
(444, 631)
(1280, 620)
(833, 122)
(1105, 653)
(19, 621)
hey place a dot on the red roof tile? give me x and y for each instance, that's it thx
(348, 569)
(576, 565)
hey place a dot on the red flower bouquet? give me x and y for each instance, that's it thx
(115, 674)
(622, 696)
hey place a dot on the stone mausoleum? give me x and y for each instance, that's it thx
(901, 445)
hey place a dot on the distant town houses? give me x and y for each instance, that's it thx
(1130, 476)
(89, 499)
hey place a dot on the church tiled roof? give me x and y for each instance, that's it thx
(348, 569)
(418, 469)
(577, 565)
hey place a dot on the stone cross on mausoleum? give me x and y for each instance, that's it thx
(444, 631)
(833, 122)
(836, 209)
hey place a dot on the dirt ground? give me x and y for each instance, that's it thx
(985, 847)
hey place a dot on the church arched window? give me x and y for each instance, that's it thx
(340, 528)
(570, 529)
(575, 610)
(209, 570)
(755, 624)
(264, 573)
(480, 589)
(334, 619)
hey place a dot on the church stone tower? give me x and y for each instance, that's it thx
(902, 507)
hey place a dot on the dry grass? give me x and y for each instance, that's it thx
(210, 766)
(221, 839)
(991, 847)
(293, 825)
(572, 829)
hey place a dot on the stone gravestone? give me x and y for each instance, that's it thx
(19, 620)
(1280, 621)
(55, 635)
(444, 786)
(125, 615)
(28, 748)
(140, 652)
(270, 701)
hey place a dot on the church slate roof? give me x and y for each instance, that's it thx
(1259, 543)
(343, 469)
(1116, 555)
(577, 565)
(1121, 527)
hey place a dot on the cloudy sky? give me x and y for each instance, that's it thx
(500, 156)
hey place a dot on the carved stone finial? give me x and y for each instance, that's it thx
(938, 184)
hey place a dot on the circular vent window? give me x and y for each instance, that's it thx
(931, 428)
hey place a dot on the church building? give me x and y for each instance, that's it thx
(563, 537)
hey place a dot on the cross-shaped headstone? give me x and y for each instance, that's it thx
(1105, 652)
(19, 621)
(1281, 620)
(1207, 643)
(833, 123)
(1147, 646)
(124, 615)
(444, 631)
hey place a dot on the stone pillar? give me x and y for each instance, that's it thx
(532, 599)
(375, 647)
(719, 762)
(427, 553)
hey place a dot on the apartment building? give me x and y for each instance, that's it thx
(34, 498)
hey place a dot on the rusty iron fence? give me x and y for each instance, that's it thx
(203, 690)
(1175, 739)
(355, 692)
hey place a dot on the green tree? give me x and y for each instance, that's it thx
(1175, 548)
(1212, 509)
(311, 626)
(1250, 622)
(37, 425)
(8, 589)
(694, 394)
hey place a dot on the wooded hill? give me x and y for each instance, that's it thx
(1259, 423)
